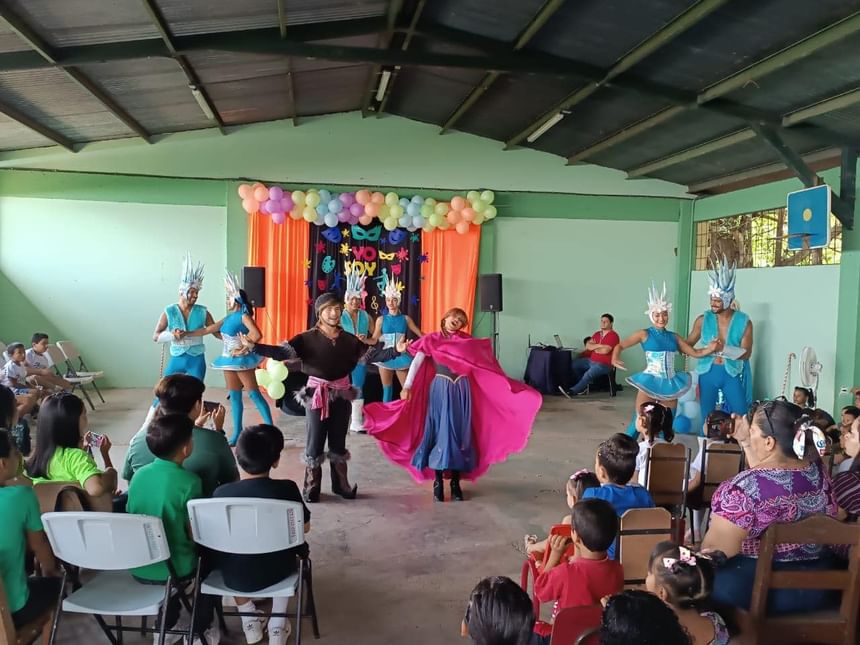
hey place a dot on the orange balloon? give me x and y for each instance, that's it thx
(468, 214)
(250, 205)
(296, 213)
(453, 217)
(365, 220)
(363, 197)
(377, 198)
(458, 203)
(462, 228)
(245, 191)
(371, 209)
(261, 193)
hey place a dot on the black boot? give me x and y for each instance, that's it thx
(439, 487)
(340, 481)
(456, 491)
(313, 484)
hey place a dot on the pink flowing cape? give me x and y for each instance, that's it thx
(503, 410)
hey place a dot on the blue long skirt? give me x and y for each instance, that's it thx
(447, 443)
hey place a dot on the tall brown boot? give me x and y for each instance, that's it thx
(340, 480)
(313, 484)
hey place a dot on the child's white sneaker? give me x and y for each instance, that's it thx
(279, 635)
(254, 628)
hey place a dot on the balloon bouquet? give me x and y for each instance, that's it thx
(272, 378)
(687, 416)
(324, 208)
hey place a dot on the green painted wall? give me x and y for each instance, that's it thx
(100, 273)
(348, 150)
(561, 275)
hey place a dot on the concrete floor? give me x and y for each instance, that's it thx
(392, 566)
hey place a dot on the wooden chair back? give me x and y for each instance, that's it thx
(26, 633)
(839, 626)
(668, 471)
(641, 530)
(572, 622)
(720, 462)
(61, 496)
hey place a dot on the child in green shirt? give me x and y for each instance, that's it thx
(163, 489)
(27, 597)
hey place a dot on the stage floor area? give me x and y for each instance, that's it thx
(392, 566)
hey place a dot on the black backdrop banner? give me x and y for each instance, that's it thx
(376, 252)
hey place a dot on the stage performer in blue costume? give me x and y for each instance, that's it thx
(356, 321)
(658, 381)
(238, 369)
(390, 328)
(729, 370)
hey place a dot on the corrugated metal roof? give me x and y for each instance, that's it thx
(499, 20)
(14, 136)
(338, 89)
(431, 94)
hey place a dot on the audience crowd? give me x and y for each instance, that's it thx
(798, 462)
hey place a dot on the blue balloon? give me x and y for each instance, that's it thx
(681, 425)
(413, 209)
(404, 202)
(325, 196)
(322, 210)
(330, 220)
(418, 199)
(335, 206)
(405, 221)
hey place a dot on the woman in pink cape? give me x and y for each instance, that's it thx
(459, 411)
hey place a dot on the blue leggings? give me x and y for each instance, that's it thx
(357, 377)
(185, 364)
(237, 410)
(733, 585)
(716, 379)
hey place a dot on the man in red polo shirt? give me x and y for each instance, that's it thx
(599, 361)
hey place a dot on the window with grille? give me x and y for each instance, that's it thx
(760, 239)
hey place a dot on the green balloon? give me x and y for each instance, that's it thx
(490, 212)
(478, 206)
(276, 390)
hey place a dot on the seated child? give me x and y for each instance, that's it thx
(499, 613)
(654, 424)
(14, 376)
(27, 597)
(258, 452)
(684, 580)
(576, 484)
(163, 489)
(590, 575)
(18, 430)
(38, 365)
(636, 616)
(614, 465)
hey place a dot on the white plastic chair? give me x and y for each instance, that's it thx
(243, 525)
(70, 352)
(112, 543)
(57, 359)
(3, 355)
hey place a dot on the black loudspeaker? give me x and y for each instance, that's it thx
(490, 290)
(254, 284)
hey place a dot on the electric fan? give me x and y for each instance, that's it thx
(809, 369)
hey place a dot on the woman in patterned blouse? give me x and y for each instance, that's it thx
(846, 486)
(785, 482)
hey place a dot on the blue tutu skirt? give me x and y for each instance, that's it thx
(447, 442)
(399, 363)
(662, 388)
(237, 363)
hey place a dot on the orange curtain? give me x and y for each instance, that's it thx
(282, 249)
(450, 276)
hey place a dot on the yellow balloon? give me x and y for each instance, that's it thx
(312, 199)
(263, 377)
(430, 202)
(276, 390)
(298, 198)
(309, 213)
(390, 224)
(441, 209)
(478, 219)
(391, 199)
(490, 212)
(488, 196)
(395, 210)
(479, 205)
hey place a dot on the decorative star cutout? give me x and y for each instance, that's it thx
(425, 257)
(320, 247)
(346, 232)
(415, 237)
(309, 301)
(307, 263)
(344, 249)
(403, 255)
(308, 283)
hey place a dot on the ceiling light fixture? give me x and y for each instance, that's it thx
(201, 101)
(550, 122)
(383, 84)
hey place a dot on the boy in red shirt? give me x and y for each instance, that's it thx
(590, 574)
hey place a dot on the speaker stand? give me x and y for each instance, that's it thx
(495, 336)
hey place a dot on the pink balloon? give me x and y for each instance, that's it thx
(365, 220)
(250, 205)
(276, 193)
(261, 193)
(468, 214)
(343, 216)
(347, 199)
(287, 203)
(356, 209)
(245, 191)
(362, 197)
(458, 203)
(462, 227)
(454, 217)
(279, 218)
(353, 220)
(273, 206)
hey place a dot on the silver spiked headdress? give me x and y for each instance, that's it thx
(192, 275)
(721, 279)
(231, 284)
(392, 288)
(657, 301)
